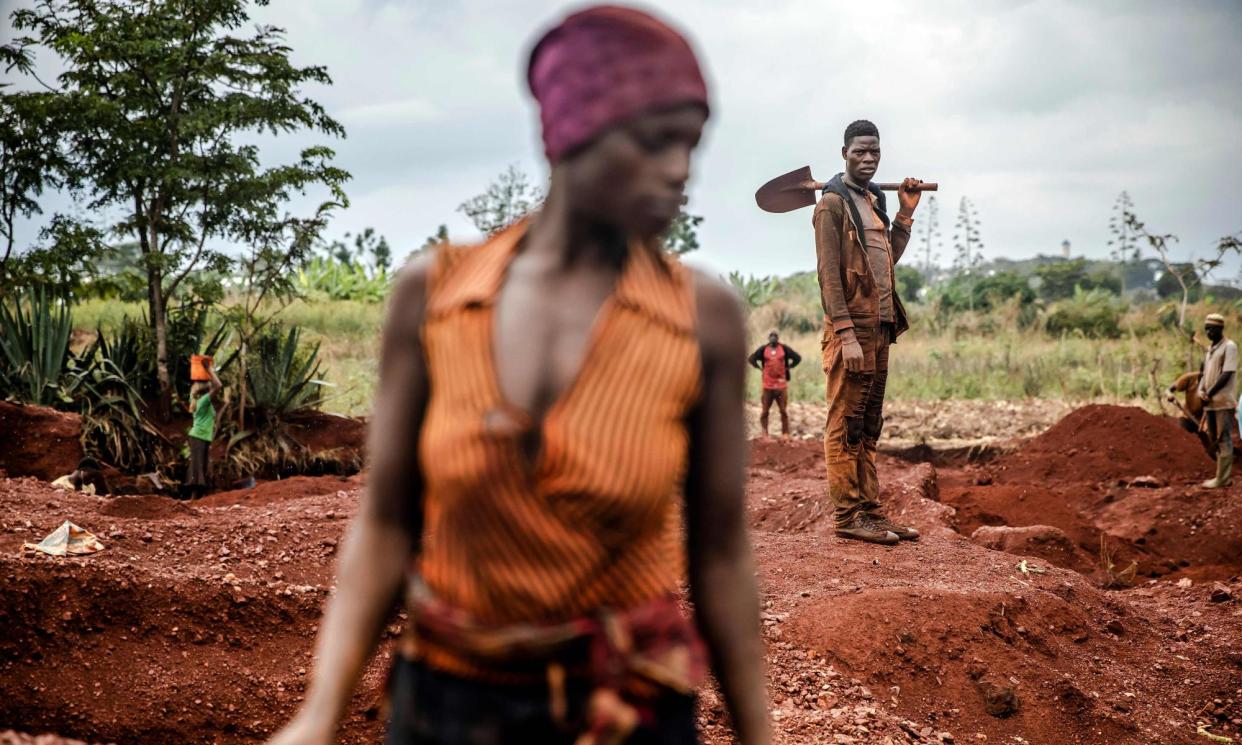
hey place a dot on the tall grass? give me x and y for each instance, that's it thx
(994, 355)
(1008, 363)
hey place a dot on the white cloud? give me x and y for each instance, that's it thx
(1040, 111)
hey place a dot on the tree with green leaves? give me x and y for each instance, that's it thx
(438, 238)
(30, 163)
(156, 113)
(368, 246)
(507, 199)
(682, 236)
(25, 147)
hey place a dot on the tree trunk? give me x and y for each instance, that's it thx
(241, 400)
(158, 307)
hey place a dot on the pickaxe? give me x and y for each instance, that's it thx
(797, 189)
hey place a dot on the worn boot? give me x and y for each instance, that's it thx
(1224, 473)
(863, 527)
(904, 532)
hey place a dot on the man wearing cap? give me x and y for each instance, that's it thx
(775, 360)
(1218, 389)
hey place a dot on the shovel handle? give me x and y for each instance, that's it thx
(923, 186)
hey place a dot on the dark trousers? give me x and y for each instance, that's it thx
(855, 417)
(196, 474)
(1220, 431)
(429, 707)
(781, 399)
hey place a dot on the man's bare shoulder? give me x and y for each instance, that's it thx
(721, 320)
(408, 302)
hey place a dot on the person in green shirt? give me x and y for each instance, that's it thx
(202, 406)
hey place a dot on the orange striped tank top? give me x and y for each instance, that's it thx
(595, 521)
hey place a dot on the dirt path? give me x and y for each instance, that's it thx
(196, 623)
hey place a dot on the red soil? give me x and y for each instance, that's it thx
(319, 431)
(1086, 476)
(1099, 443)
(196, 623)
(38, 441)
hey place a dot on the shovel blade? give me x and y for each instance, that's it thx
(792, 191)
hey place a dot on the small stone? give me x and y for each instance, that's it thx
(1221, 593)
(999, 700)
(1185, 583)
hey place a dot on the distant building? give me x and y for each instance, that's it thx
(1065, 248)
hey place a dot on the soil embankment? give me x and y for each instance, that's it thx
(38, 441)
(196, 623)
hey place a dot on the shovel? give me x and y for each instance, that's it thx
(797, 189)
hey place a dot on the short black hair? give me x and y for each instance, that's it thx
(88, 464)
(860, 128)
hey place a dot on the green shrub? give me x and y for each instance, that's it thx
(909, 283)
(982, 293)
(1094, 314)
(330, 277)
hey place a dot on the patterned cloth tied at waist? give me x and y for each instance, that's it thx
(630, 657)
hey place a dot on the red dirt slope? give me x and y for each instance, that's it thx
(38, 441)
(1113, 472)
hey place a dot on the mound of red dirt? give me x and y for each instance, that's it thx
(319, 431)
(1101, 443)
(1040, 541)
(147, 507)
(1088, 476)
(38, 441)
(294, 487)
(9, 737)
(956, 638)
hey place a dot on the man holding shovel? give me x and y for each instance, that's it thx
(857, 245)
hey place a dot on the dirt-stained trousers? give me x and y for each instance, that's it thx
(855, 417)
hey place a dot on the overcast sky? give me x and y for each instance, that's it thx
(1040, 112)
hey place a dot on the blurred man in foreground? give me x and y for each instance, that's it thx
(554, 407)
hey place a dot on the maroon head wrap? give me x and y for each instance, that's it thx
(604, 65)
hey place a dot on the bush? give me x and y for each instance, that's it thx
(1092, 313)
(969, 292)
(330, 277)
(909, 283)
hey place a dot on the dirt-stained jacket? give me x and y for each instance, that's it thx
(846, 285)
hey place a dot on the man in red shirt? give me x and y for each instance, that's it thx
(775, 360)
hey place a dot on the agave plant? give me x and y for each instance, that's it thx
(114, 426)
(281, 377)
(34, 347)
